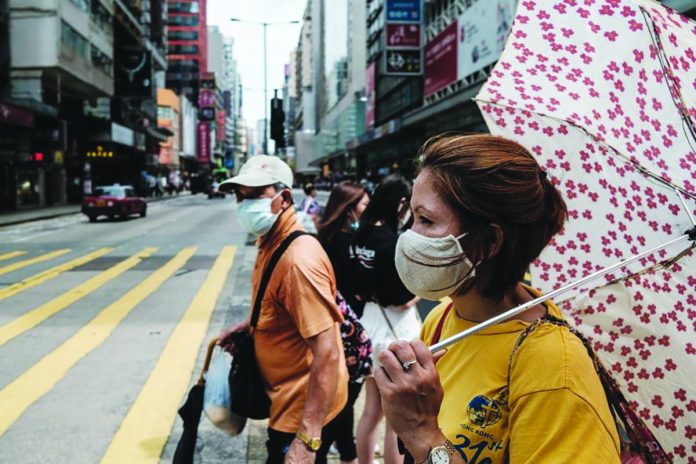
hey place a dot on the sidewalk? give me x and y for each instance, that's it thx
(20, 217)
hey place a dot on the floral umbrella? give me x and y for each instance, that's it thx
(603, 92)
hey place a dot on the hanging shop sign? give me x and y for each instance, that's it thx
(403, 63)
(403, 35)
(404, 11)
(99, 152)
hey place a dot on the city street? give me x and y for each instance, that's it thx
(102, 329)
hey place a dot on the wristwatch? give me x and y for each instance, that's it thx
(441, 454)
(312, 443)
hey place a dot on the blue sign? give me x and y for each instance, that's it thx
(404, 11)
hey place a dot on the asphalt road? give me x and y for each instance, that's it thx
(103, 328)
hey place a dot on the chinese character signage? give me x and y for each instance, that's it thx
(403, 35)
(405, 11)
(203, 141)
(370, 95)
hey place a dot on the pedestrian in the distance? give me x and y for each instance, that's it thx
(336, 232)
(523, 390)
(309, 209)
(390, 312)
(337, 229)
(297, 338)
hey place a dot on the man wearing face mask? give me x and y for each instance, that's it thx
(297, 339)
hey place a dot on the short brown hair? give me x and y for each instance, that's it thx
(489, 180)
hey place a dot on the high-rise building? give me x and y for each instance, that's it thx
(81, 82)
(187, 46)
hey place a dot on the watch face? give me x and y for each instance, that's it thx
(315, 444)
(440, 455)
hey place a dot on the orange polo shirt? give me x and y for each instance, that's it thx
(300, 302)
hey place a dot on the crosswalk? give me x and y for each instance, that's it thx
(144, 430)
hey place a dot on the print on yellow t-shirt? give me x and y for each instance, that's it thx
(554, 409)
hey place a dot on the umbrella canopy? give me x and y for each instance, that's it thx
(603, 93)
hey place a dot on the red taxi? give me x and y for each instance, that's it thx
(113, 200)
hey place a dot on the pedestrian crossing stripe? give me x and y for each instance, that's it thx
(28, 262)
(146, 428)
(39, 379)
(49, 274)
(36, 316)
(11, 254)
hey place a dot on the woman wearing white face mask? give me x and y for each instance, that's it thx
(484, 210)
(390, 313)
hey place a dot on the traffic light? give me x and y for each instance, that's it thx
(278, 122)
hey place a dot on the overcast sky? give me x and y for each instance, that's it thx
(248, 49)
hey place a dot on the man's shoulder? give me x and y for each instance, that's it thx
(305, 252)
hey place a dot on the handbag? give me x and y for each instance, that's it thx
(357, 346)
(247, 385)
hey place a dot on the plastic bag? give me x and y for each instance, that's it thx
(216, 395)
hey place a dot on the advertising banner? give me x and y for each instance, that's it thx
(441, 60)
(483, 29)
(203, 139)
(404, 11)
(403, 35)
(370, 95)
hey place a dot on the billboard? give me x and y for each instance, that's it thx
(483, 29)
(441, 60)
(404, 11)
(403, 35)
(370, 77)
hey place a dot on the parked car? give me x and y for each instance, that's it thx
(113, 200)
(214, 191)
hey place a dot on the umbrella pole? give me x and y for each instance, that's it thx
(690, 235)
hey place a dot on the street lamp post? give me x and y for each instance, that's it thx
(265, 25)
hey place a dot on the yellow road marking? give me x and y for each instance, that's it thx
(42, 277)
(12, 254)
(37, 316)
(145, 430)
(29, 262)
(39, 379)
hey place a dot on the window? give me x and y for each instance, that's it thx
(110, 191)
(165, 112)
(101, 17)
(182, 35)
(130, 193)
(181, 20)
(81, 4)
(183, 49)
(101, 61)
(73, 40)
(183, 7)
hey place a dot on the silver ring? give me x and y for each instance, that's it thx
(407, 365)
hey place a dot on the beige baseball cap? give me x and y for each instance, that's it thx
(258, 171)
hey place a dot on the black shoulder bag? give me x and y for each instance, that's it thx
(247, 386)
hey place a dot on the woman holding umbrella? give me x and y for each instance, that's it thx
(484, 210)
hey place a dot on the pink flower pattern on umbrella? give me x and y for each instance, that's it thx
(602, 92)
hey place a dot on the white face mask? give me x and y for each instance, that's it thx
(255, 215)
(432, 268)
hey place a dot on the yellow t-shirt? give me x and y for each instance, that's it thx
(555, 411)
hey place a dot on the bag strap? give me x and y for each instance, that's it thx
(640, 438)
(440, 325)
(386, 318)
(269, 270)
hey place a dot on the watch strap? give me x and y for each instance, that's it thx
(313, 444)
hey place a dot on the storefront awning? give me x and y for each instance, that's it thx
(159, 133)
